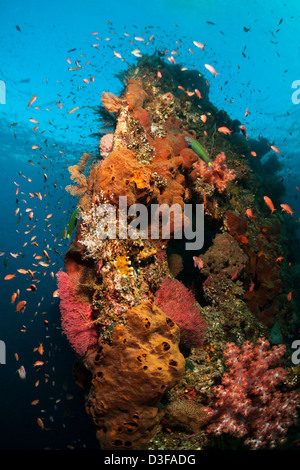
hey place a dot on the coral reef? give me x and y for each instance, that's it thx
(232, 291)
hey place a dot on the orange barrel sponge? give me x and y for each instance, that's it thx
(130, 377)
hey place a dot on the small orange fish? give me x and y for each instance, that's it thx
(274, 148)
(198, 44)
(35, 402)
(243, 129)
(289, 296)
(73, 110)
(38, 363)
(8, 277)
(21, 305)
(242, 239)
(235, 274)
(22, 271)
(198, 93)
(249, 213)
(40, 422)
(269, 203)
(286, 208)
(224, 130)
(251, 287)
(13, 297)
(211, 69)
(159, 75)
(32, 101)
(203, 118)
(254, 154)
(279, 259)
(41, 349)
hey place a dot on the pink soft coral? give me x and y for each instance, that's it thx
(178, 303)
(217, 176)
(248, 403)
(76, 316)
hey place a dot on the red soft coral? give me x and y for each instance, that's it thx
(247, 403)
(178, 303)
(218, 176)
(76, 316)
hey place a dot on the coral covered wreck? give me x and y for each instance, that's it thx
(148, 319)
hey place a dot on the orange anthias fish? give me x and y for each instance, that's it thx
(21, 306)
(249, 213)
(269, 203)
(32, 100)
(211, 69)
(275, 148)
(286, 208)
(198, 44)
(38, 363)
(224, 130)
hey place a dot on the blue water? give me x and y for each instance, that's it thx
(254, 46)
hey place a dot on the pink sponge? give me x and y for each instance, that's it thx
(178, 303)
(106, 144)
(76, 317)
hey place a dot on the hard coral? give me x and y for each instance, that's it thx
(131, 375)
(216, 177)
(248, 403)
(176, 301)
(76, 317)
